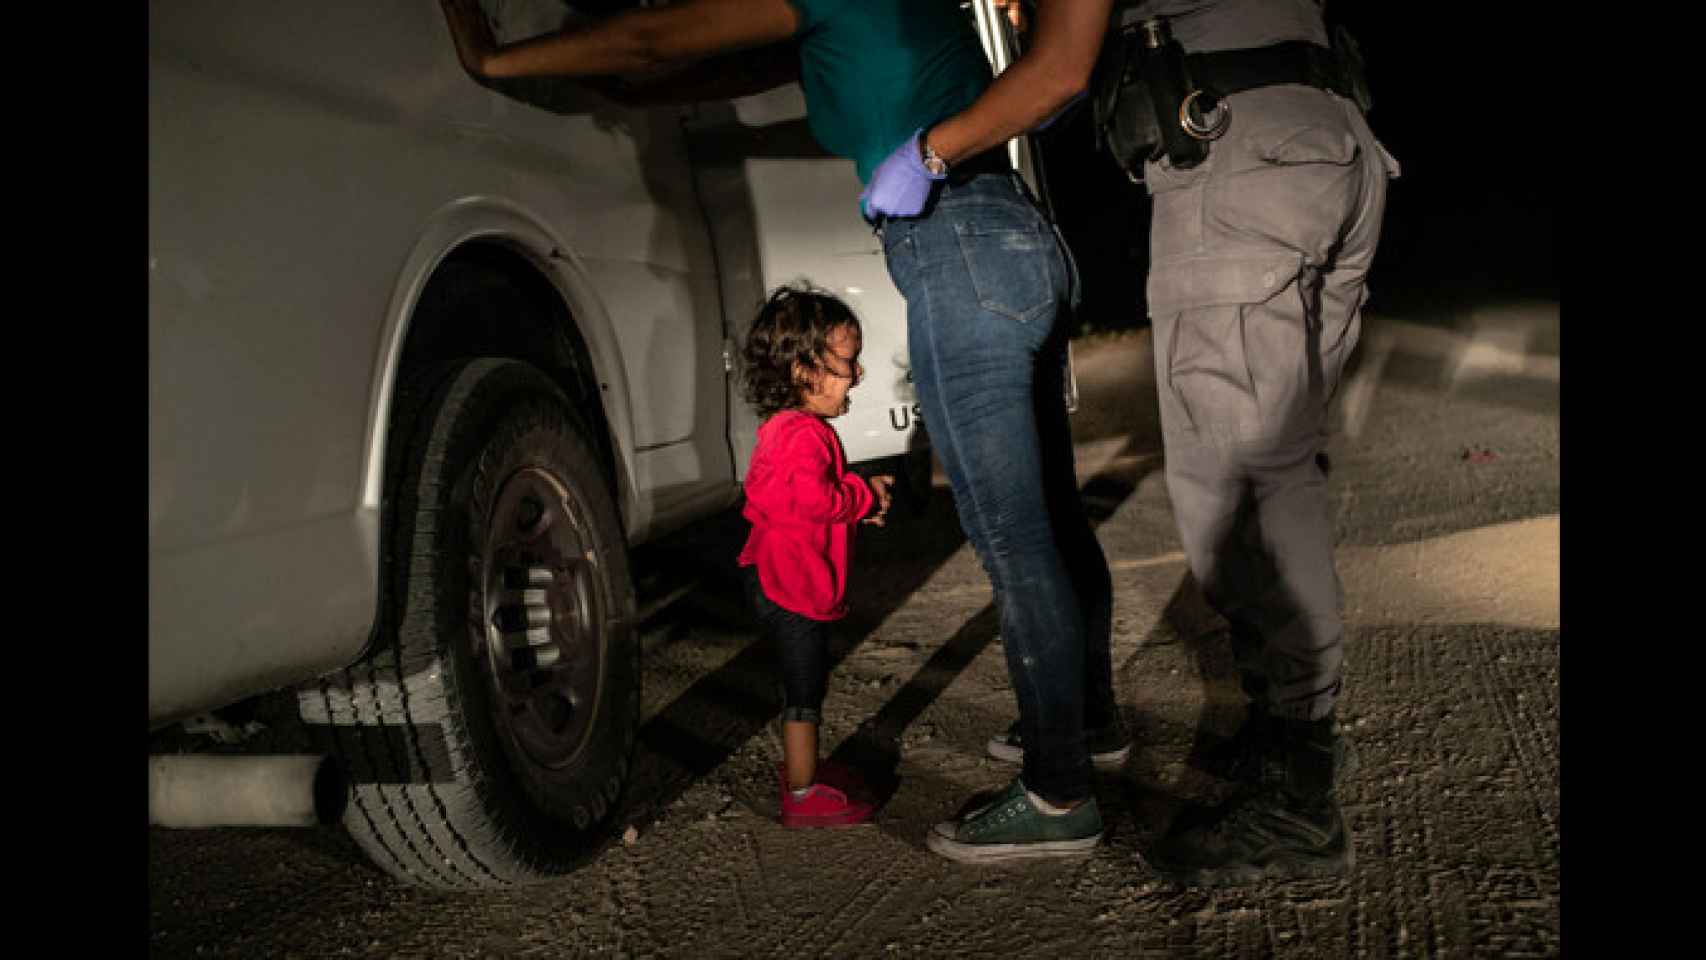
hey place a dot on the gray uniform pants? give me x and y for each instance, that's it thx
(1258, 261)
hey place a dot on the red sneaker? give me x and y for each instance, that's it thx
(823, 806)
(837, 775)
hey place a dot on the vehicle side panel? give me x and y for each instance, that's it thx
(298, 155)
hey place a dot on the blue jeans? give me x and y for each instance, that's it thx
(986, 280)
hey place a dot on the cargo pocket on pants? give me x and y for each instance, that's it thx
(1208, 301)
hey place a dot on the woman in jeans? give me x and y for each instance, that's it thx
(903, 89)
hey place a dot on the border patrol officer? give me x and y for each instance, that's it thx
(1259, 256)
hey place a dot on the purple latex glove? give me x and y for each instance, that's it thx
(900, 184)
(1049, 120)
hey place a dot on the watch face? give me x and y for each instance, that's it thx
(932, 161)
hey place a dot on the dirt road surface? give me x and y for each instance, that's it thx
(1446, 489)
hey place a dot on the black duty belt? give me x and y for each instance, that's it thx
(1225, 72)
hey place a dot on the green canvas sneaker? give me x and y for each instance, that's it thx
(1012, 828)
(1109, 746)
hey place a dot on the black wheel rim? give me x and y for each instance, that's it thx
(541, 628)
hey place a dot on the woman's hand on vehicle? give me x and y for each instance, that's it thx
(636, 40)
(472, 34)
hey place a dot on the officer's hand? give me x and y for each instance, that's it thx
(1015, 14)
(900, 184)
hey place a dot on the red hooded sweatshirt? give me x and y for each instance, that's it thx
(803, 505)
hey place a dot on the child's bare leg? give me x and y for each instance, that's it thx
(799, 750)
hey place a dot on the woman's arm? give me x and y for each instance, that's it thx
(1054, 71)
(629, 42)
(1065, 42)
(714, 78)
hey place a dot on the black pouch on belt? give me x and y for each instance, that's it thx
(1124, 114)
(1162, 63)
(1143, 91)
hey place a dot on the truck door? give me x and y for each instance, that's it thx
(781, 210)
(648, 256)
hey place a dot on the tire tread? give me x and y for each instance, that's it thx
(429, 815)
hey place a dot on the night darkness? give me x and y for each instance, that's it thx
(1469, 114)
(1454, 813)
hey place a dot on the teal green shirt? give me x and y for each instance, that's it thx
(875, 71)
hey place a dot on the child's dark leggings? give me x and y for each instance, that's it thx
(802, 645)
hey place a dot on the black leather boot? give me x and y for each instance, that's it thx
(1239, 757)
(1288, 827)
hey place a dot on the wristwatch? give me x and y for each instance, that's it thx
(933, 161)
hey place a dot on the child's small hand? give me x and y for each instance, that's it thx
(880, 487)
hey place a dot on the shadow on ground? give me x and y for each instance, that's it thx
(712, 719)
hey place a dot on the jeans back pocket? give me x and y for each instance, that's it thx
(1014, 262)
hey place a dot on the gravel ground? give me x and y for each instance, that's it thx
(1446, 484)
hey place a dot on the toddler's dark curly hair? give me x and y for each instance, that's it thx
(792, 327)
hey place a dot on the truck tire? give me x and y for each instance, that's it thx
(488, 735)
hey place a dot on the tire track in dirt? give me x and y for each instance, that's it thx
(1525, 737)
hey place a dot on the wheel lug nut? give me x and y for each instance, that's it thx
(517, 617)
(520, 578)
(531, 658)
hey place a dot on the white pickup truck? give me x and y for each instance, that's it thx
(426, 358)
